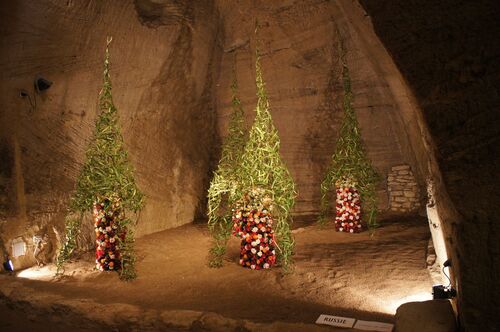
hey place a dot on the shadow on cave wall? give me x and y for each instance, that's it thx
(448, 51)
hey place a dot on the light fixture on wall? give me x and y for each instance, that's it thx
(7, 265)
(444, 292)
(40, 84)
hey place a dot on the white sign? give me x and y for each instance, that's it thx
(335, 321)
(18, 247)
(373, 326)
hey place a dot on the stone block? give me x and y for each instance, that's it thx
(397, 193)
(400, 199)
(428, 316)
(409, 193)
(397, 187)
(401, 167)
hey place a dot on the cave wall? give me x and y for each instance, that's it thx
(172, 64)
(300, 64)
(448, 52)
(163, 63)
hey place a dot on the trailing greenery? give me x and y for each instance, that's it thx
(72, 229)
(221, 194)
(256, 167)
(106, 173)
(349, 162)
(262, 167)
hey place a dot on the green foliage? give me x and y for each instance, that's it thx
(73, 224)
(126, 248)
(257, 165)
(106, 173)
(221, 194)
(262, 167)
(349, 161)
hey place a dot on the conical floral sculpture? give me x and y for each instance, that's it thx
(221, 194)
(264, 169)
(107, 187)
(350, 171)
(262, 187)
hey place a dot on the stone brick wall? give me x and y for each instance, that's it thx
(404, 194)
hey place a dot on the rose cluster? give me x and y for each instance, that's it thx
(348, 210)
(254, 227)
(106, 215)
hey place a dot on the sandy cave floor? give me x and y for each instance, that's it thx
(335, 273)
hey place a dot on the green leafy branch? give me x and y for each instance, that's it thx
(106, 172)
(349, 161)
(222, 190)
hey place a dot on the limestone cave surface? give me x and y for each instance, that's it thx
(425, 82)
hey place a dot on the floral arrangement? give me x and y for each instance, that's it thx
(107, 214)
(349, 162)
(253, 223)
(258, 165)
(348, 208)
(221, 194)
(106, 172)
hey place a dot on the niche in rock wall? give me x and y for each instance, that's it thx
(404, 194)
(18, 247)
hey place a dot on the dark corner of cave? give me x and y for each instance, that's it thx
(250, 165)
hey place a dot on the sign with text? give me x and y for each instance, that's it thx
(373, 326)
(335, 321)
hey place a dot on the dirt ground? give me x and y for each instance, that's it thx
(353, 275)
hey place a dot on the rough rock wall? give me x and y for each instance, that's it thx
(163, 64)
(301, 70)
(448, 52)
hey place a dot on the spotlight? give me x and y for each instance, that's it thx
(41, 84)
(441, 291)
(8, 266)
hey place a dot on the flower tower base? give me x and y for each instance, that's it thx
(348, 210)
(106, 217)
(253, 223)
(254, 227)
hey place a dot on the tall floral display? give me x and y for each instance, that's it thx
(253, 223)
(261, 170)
(222, 191)
(264, 170)
(351, 173)
(105, 187)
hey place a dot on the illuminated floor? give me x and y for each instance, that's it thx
(335, 273)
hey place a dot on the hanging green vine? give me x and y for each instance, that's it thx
(106, 173)
(258, 165)
(349, 161)
(221, 194)
(262, 167)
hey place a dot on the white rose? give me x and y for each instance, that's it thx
(266, 265)
(253, 251)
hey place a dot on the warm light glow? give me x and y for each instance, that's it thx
(36, 273)
(392, 306)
